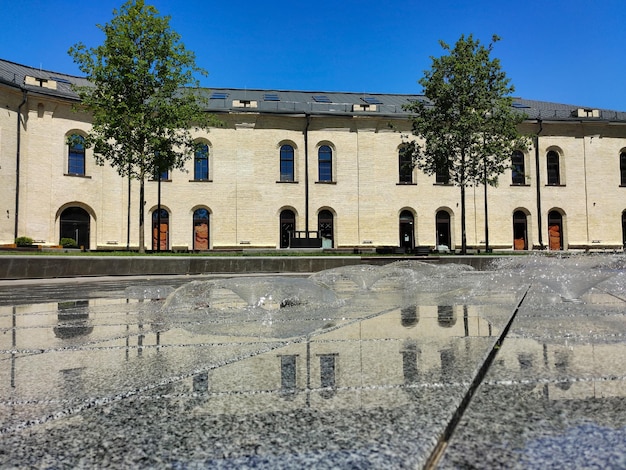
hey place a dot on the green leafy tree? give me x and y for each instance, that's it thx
(143, 96)
(466, 129)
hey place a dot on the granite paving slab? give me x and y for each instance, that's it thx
(368, 380)
(358, 367)
(555, 396)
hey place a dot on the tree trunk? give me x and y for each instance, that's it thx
(142, 244)
(463, 236)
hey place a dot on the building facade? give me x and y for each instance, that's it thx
(288, 164)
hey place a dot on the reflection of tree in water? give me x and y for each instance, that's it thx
(525, 361)
(561, 363)
(73, 319)
(447, 364)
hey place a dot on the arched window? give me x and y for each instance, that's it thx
(201, 163)
(517, 166)
(622, 168)
(76, 155)
(325, 163)
(286, 163)
(405, 166)
(554, 176)
(201, 230)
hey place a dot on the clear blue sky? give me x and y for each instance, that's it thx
(566, 51)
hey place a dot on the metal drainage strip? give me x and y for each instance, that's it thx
(438, 451)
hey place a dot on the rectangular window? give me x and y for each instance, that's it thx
(76, 163)
(201, 169)
(442, 176)
(325, 163)
(286, 170)
(201, 163)
(553, 175)
(405, 168)
(517, 163)
(287, 163)
(164, 175)
(76, 155)
(326, 171)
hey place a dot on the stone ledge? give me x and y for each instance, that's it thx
(43, 267)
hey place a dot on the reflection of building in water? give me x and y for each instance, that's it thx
(386, 360)
(73, 319)
(410, 359)
(564, 370)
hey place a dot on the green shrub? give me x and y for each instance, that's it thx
(23, 241)
(68, 243)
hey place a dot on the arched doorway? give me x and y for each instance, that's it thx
(201, 230)
(160, 230)
(555, 230)
(326, 229)
(74, 224)
(287, 227)
(407, 231)
(520, 231)
(444, 236)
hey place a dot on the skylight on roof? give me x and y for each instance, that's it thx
(519, 105)
(218, 95)
(61, 80)
(271, 97)
(371, 100)
(321, 99)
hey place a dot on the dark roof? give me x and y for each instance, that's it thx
(13, 74)
(301, 102)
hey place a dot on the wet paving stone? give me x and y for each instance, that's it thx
(354, 368)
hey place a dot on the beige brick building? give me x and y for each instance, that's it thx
(286, 163)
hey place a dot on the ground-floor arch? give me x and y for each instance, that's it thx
(287, 227)
(75, 223)
(443, 227)
(326, 228)
(520, 230)
(624, 229)
(407, 230)
(555, 230)
(160, 229)
(201, 241)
